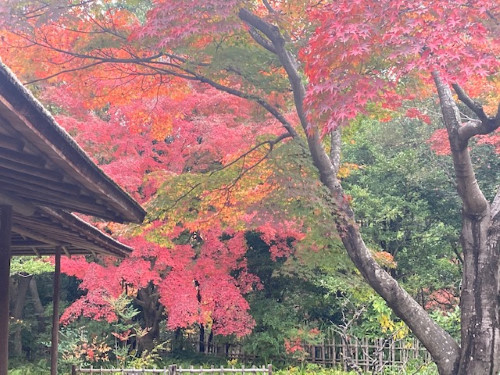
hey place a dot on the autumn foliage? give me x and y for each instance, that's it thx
(382, 53)
(191, 106)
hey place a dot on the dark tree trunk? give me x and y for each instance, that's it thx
(152, 311)
(23, 282)
(178, 342)
(210, 341)
(37, 304)
(201, 341)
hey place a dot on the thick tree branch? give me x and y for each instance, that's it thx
(476, 107)
(268, 6)
(288, 61)
(468, 189)
(261, 41)
(272, 32)
(485, 125)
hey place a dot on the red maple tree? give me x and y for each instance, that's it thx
(359, 57)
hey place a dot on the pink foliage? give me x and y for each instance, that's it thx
(172, 22)
(280, 237)
(362, 50)
(193, 280)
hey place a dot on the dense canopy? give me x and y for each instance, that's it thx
(226, 118)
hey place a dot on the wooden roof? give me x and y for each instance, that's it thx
(41, 165)
(47, 229)
(45, 175)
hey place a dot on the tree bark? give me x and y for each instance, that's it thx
(152, 310)
(480, 295)
(37, 304)
(23, 281)
(201, 339)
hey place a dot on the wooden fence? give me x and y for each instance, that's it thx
(174, 370)
(347, 352)
(366, 354)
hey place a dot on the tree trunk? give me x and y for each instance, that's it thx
(210, 341)
(480, 296)
(178, 341)
(37, 304)
(23, 281)
(152, 311)
(201, 341)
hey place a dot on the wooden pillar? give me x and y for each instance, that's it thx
(55, 314)
(5, 234)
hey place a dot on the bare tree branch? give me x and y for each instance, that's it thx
(268, 6)
(485, 125)
(468, 189)
(261, 41)
(476, 107)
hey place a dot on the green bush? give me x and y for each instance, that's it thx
(39, 368)
(312, 369)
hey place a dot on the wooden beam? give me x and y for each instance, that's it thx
(55, 314)
(5, 234)
(44, 173)
(22, 157)
(26, 178)
(28, 190)
(36, 236)
(27, 243)
(80, 206)
(11, 143)
(66, 201)
(41, 252)
(21, 206)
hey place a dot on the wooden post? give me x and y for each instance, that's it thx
(73, 370)
(270, 369)
(172, 370)
(55, 314)
(5, 234)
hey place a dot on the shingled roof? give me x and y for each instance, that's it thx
(41, 165)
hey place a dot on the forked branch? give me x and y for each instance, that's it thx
(485, 125)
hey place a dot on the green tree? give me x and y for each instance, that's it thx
(406, 206)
